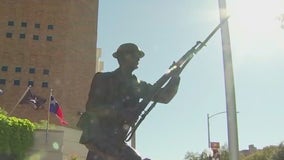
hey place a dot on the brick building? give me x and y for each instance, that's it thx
(50, 45)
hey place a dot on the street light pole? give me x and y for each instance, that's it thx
(208, 130)
(208, 125)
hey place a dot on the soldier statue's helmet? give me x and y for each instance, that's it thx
(128, 48)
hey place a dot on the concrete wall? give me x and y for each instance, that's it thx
(57, 144)
(71, 145)
(47, 145)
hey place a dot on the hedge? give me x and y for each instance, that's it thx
(16, 136)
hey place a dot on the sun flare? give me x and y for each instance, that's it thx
(257, 15)
(256, 27)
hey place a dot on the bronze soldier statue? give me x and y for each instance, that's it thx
(117, 99)
(113, 105)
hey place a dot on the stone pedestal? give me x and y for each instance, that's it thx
(47, 145)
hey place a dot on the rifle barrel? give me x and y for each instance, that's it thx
(180, 64)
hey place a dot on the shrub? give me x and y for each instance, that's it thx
(16, 136)
(42, 125)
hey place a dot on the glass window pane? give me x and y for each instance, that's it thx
(35, 37)
(22, 36)
(32, 70)
(31, 83)
(44, 84)
(18, 69)
(17, 82)
(10, 23)
(9, 35)
(24, 24)
(37, 25)
(45, 71)
(2, 81)
(4, 68)
(50, 26)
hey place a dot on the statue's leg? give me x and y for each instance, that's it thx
(92, 156)
(129, 153)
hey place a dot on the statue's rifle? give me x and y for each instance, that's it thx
(175, 69)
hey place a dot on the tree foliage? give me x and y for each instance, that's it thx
(279, 155)
(191, 156)
(267, 153)
(16, 136)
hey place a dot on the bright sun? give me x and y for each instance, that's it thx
(257, 15)
(256, 27)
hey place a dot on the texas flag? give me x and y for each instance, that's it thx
(55, 108)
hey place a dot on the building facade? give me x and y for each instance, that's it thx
(50, 45)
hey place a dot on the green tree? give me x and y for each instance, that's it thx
(266, 153)
(203, 156)
(279, 155)
(224, 152)
(191, 156)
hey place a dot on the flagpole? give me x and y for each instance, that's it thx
(48, 115)
(19, 100)
(229, 85)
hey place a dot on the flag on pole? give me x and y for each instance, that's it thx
(33, 99)
(56, 109)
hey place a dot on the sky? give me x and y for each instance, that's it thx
(165, 30)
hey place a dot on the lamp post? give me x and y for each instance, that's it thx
(208, 125)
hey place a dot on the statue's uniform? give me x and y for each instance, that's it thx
(104, 130)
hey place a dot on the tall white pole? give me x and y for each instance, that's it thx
(229, 85)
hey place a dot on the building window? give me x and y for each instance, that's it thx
(18, 69)
(16, 82)
(22, 35)
(50, 27)
(44, 84)
(2, 81)
(32, 70)
(9, 35)
(4, 68)
(37, 25)
(49, 38)
(46, 72)
(11, 23)
(36, 37)
(24, 24)
(31, 83)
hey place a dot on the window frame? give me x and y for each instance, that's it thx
(2, 81)
(44, 84)
(4, 68)
(37, 25)
(17, 82)
(9, 35)
(24, 24)
(32, 70)
(18, 69)
(11, 23)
